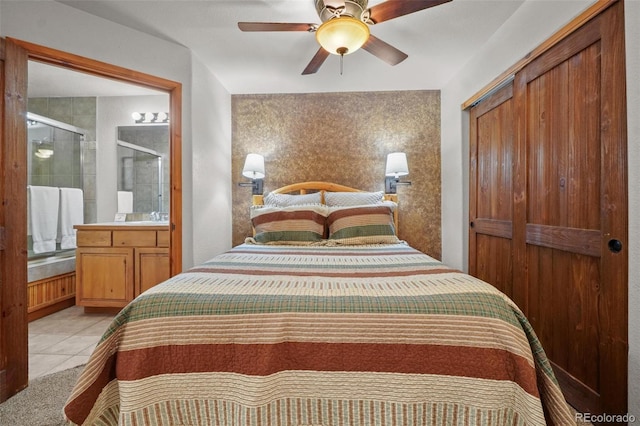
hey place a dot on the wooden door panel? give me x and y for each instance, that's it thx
(563, 153)
(569, 201)
(494, 163)
(563, 214)
(490, 190)
(488, 249)
(563, 310)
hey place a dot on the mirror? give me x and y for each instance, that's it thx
(143, 170)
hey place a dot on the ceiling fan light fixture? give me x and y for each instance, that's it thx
(343, 35)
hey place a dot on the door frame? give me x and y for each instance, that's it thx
(13, 323)
(14, 360)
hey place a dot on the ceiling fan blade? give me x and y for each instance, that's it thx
(275, 26)
(384, 51)
(393, 8)
(317, 61)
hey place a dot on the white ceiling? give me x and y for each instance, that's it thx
(438, 40)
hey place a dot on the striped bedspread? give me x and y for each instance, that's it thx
(301, 335)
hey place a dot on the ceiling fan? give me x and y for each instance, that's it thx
(345, 28)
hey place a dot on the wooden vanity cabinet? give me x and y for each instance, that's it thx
(117, 262)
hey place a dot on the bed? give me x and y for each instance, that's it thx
(322, 317)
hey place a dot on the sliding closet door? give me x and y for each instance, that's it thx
(490, 189)
(13, 227)
(570, 210)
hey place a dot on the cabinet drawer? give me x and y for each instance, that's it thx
(93, 238)
(163, 238)
(134, 238)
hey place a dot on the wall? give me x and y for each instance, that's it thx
(632, 36)
(210, 165)
(343, 138)
(533, 23)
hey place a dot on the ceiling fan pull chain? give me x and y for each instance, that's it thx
(342, 51)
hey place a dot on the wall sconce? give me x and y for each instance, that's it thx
(150, 117)
(254, 170)
(396, 167)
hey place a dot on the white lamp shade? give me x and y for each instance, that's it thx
(253, 166)
(397, 164)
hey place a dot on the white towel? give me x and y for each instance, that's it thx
(43, 214)
(125, 202)
(71, 213)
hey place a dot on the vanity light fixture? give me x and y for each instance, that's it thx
(44, 155)
(396, 167)
(254, 170)
(150, 117)
(44, 149)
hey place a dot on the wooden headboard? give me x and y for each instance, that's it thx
(322, 187)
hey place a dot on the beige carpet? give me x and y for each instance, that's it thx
(41, 403)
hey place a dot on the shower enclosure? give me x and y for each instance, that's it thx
(54, 159)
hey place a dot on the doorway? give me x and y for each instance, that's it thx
(14, 58)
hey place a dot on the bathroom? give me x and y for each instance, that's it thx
(82, 136)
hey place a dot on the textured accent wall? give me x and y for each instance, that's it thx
(343, 138)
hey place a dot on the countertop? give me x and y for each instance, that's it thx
(147, 224)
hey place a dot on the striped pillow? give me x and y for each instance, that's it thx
(289, 225)
(362, 225)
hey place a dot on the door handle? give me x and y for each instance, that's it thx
(615, 246)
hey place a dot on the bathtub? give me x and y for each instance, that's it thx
(51, 266)
(51, 284)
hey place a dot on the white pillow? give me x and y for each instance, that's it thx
(391, 204)
(286, 200)
(348, 199)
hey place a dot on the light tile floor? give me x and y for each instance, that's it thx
(64, 340)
